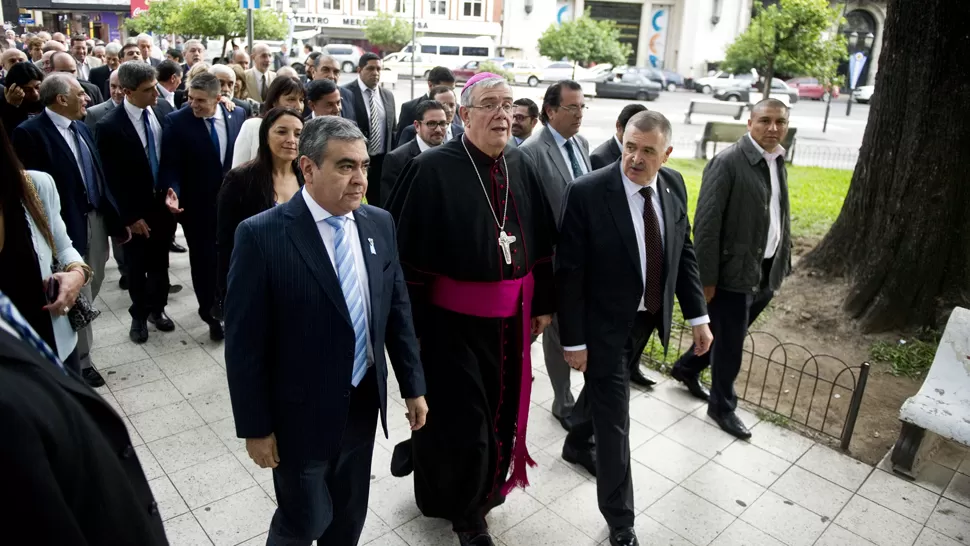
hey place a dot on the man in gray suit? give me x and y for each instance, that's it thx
(96, 113)
(561, 155)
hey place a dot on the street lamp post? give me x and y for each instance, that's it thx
(856, 68)
(414, 45)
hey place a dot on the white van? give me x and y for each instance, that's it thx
(454, 52)
(401, 63)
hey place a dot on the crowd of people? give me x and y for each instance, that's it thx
(331, 239)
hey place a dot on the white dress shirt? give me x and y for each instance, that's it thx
(246, 147)
(135, 115)
(618, 143)
(422, 145)
(366, 92)
(448, 134)
(577, 150)
(169, 96)
(221, 131)
(327, 233)
(774, 203)
(83, 70)
(64, 128)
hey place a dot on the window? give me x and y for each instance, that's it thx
(439, 7)
(474, 51)
(472, 8)
(330, 4)
(401, 6)
(367, 5)
(430, 49)
(448, 50)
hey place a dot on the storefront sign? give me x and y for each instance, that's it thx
(138, 6)
(339, 21)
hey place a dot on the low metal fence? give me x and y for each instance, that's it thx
(817, 391)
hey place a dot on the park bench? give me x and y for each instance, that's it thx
(941, 409)
(720, 131)
(714, 107)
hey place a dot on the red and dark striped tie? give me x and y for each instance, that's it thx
(653, 291)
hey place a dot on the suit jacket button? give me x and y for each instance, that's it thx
(350, 354)
(128, 452)
(725, 252)
(758, 251)
(629, 324)
(347, 394)
(153, 509)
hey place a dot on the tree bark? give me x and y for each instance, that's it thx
(903, 236)
(766, 79)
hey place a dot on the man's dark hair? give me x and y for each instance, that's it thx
(553, 97)
(315, 56)
(366, 58)
(132, 74)
(530, 104)
(768, 103)
(22, 74)
(168, 68)
(317, 89)
(174, 54)
(425, 106)
(440, 75)
(126, 47)
(279, 89)
(628, 112)
(78, 38)
(441, 89)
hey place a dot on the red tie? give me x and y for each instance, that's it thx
(653, 292)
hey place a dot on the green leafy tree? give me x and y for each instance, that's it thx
(495, 68)
(793, 37)
(388, 31)
(585, 41)
(160, 17)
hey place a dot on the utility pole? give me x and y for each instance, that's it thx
(414, 44)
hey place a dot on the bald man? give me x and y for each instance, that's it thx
(259, 77)
(11, 57)
(64, 62)
(241, 58)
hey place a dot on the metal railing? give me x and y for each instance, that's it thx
(819, 392)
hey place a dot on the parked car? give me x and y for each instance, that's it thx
(750, 92)
(653, 74)
(526, 72)
(810, 88)
(347, 55)
(632, 86)
(721, 80)
(863, 94)
(600, 70)
(674, 80)
(562, 70)
(464, 72)
(401, 63)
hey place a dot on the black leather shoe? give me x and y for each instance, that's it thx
(123, 282)
(637, 377)
(583, 456)
(92, 377)
(216, 331)
(692, 383)
(623, 536)
(175, 247)
(475, 538)
(566, 423)
(139, 330)
(730, 423)
(161, 321)
(174, 288)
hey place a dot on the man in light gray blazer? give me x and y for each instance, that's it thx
(97, 113)
(561, 155)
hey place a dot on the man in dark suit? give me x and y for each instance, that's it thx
(129, 139)
(324, 67)
(169, 79)
(197, 145)
(438, 76)
(561, 155)
(315, 292)
(742, 229)
(64, 62)
(525, 116)
(375, 115)
(445, 96)
(624, 251)
(115, 99)
(608, 152)
(431, 124)
(112, 59)
(56, 142)
(323, 99)
(66, 453)
(227, 85)
(144, 43)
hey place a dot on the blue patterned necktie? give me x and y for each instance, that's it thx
(16, 321)
(91, 183)
(214, 136)
(573, 160)
(347, 275)
(150, 146)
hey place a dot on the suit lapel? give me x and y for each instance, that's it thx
(619, 207)
(231, 134)
(415, 150)
(306, 237)
(615, 149)
(55, 137)
(367, 232)
(388, 117)
(584, 155)
(669, 212)
(552, 149)
(360, 109)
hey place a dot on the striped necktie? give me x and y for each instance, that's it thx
(16, 321)
(347, 275)
(375, 146)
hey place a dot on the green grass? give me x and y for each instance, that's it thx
(907, 357)
(815, 194)
(772, 417)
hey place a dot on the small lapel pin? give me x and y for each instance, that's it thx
(668, 190)
(372, 249)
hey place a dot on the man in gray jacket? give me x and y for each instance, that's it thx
(742, 237)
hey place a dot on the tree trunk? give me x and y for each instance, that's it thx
(903, 236)
(767, 76)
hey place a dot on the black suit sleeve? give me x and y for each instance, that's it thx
(596, 161)
(571, 269)
(229, 214)
(391, 170)
(28, 150)
(247, 321)
(115, 174)
(402, 342)
(407, 118)
(170, 167)
(690, 294)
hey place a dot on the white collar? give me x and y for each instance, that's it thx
(319, 213)
(218, 115)
(133, 110)
(59, 120)
(165, 93)
(618, 143)
(631, 188)
(560, 140)
(364, 88)
(422, 145)
(779, 149)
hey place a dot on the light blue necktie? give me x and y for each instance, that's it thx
(150, 146)
(347, 275)
(15, 320)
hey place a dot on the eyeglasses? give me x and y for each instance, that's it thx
(574, 109)
(506, 107)
(521, 117)
(433, 124)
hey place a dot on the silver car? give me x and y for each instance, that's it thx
(347, 55)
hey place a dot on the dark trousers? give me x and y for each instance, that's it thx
(147, 262)
(73, 362)
(603, 410)
(326, 501)
(731, 314)
(200, 234)
(118, 250)
(375, 196)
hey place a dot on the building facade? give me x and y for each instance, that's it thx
(864, 17)
(97, 19)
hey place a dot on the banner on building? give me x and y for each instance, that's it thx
(657, 42)
(138, 6)
(856, 63)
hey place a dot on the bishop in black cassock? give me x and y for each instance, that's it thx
(476, 296)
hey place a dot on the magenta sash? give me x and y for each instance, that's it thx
(501, 299)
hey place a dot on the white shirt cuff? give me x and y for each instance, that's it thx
(699, 320)
(575, 348)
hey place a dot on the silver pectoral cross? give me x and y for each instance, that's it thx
(505, 241)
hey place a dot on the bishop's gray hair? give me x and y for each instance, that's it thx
(318, 132)
(132, 74)
(488, 83)
(651, 120)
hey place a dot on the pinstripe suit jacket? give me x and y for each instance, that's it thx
(289, 339)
